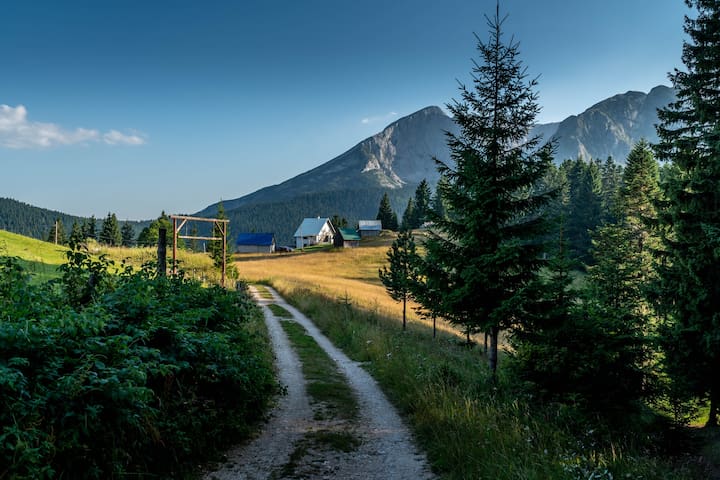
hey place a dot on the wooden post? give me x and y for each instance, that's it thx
(224, 251)
(174, 264)
(162, 252)
(56, 232)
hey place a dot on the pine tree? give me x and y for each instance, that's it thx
(89, 228)
(110, 231)
(487, 249)
(400, 276)
(386, 215)
(421, 204)
(438, 207)
(76, 236)
(611, 182)
(409, 216)
(584, 212)
(689, 135)
(127, 235)
(58, 237)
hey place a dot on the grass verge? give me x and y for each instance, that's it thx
(325, 384)
(470, 427)
(279, 311)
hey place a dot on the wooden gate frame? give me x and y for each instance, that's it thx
(217, 222)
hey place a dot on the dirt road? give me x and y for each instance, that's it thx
(285, 448)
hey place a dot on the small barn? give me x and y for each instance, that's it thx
(255, 243)
(347, 238)
(314, 231)
(369, 228)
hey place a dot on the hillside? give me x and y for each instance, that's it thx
(36, 222)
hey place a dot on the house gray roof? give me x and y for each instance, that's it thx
(311, 226)
(370, 225)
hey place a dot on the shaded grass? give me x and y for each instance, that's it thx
(325, 384)
(279, 311)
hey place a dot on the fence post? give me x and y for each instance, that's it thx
(162, 252)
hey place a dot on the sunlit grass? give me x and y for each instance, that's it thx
(348, 274)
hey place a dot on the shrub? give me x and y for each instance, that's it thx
(104, 375)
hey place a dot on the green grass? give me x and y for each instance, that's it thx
(41, 259)
(326, 386)
(279, 311)
(469, 426)
(263, 292)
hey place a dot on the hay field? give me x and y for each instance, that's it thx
(345, 274)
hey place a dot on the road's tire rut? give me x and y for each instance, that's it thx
(295, 444)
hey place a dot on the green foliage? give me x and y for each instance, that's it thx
(487, 250)
(592, 348)
(102, 376)
(149, 235)
(584, 207)
(408, 218)
(110, 231)
(127, 233)
(401, 274)
(689, 135)
(76, 236)
(386, 214)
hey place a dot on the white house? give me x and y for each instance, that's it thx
(369, 228)
(314, 231)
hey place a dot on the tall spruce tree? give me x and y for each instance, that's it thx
(408, 217)
(689, 137)
(127, 234)
(422, 204)
(487, 250)
(386, 215)
(110, 231)
(89, 228)
(76, 235)
(399, 277)
(584, 212)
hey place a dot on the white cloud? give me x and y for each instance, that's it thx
(113, 137)
(379, 118)
(17, 132)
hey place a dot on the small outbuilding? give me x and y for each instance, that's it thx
(347, 238)
(314, 231)
(369, 228)
(255, 243)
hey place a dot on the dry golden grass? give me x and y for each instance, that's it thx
(350, 274)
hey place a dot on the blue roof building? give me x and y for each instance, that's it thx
(255, 243)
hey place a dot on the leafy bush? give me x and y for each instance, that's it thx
(106, 375)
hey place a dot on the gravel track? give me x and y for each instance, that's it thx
(282, 451)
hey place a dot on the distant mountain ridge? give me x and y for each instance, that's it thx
(610, 127)
(396, 159)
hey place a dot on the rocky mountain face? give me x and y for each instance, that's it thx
(610, 127)
(399, 157)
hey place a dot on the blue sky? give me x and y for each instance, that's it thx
(140, 106)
